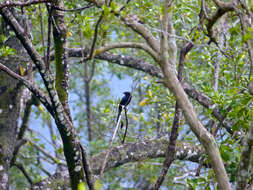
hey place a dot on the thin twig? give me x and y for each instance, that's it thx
(17, 147)
(22, 169)
(110, 147)
(49, 20)
(87, 169)
(48, 155)
(124, 6)
(42, 29)
(95, 36)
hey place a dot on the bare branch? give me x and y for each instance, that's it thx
(127, 45)
(22, 169)
(47, 154)
(132, 152)
(222, 9)
(22, 4)
(134, 23)
(171, 149)
(95, 36)
(205, 138)
(17, 147)
(128, 61)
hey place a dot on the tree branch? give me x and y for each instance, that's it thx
(127, 45)
(134, 23)
(22, 169)
(246, 155)
(205, 138)
(139, 64)
(62, 119)
(95, 37)
(73, 10)
(31, 86)
(22, 4)
(87, 169)
(171, 149)
(130, 152)
(48, 155)
(222, 9)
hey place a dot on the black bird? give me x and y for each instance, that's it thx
(124, 102)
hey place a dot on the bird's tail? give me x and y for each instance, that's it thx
(119, 113)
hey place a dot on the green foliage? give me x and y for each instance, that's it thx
(151, 111)
(6, 51)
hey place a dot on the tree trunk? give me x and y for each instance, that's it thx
(10, 91)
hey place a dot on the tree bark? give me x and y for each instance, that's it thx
(10, 91)
(129, 152)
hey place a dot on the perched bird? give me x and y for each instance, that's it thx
(122, 106)
(124, 102)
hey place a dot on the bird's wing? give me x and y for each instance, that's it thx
(128, 100)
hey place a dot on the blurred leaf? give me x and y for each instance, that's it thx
(81, 186)
(22, 71)
(60, 150)
(98, 185)
(135, 118)
(143, 102)
(41, 108)
(150, 93)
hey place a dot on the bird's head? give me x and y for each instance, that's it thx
(127, 93)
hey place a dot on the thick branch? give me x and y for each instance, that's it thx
(170, 152)
(132, 152)
(62, 119)
(22, 4)
(139, 64)
(205, 138)
(127, 45)
(222, 9)
(128, 61)
(134, 23)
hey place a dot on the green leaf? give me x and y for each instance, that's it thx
(54, 137)
(60, 150)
